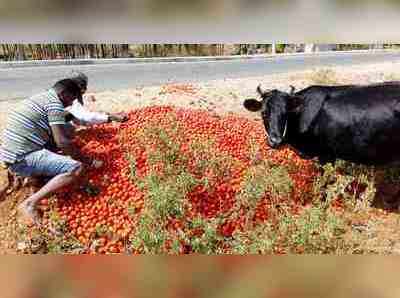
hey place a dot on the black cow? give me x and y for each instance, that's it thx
(356, 123)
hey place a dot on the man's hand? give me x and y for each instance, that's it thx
(118, 117)
(97, 164)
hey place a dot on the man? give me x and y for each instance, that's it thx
(78, 115)
(82, 116)
(32, 125)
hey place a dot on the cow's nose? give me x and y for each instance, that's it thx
(274, 142)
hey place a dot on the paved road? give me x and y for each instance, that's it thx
(21, 82)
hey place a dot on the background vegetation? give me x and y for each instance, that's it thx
(10, 52)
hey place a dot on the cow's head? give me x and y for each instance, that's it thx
(275, 107)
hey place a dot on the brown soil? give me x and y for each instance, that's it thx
(377, 230)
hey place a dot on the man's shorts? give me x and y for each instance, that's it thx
(44, 163)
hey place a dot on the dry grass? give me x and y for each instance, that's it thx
(324, 77)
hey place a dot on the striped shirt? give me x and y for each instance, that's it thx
(28, 127)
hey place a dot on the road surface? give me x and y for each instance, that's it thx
(19, 83)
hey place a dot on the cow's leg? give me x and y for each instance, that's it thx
(389, 196)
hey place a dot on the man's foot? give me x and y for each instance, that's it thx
(15, 183)
(29, 213)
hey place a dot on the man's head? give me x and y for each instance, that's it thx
(81, 80)
(68, 90)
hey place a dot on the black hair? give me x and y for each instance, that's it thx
(80, 78)
(69, 86)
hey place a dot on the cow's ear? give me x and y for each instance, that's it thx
(252, 105)
(311, 108)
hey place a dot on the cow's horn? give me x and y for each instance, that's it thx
(292, 90)
(259, 90)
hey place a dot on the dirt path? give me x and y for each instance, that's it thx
(379, 235)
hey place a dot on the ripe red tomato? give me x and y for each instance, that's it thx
(226, 138)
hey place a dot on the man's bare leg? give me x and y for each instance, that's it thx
(29, 206)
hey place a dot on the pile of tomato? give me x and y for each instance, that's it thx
(117, 196)
(179, 89)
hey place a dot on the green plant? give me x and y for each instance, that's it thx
(353, 185)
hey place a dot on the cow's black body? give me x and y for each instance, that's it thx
(354, 123)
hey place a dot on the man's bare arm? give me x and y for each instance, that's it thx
(65, 144)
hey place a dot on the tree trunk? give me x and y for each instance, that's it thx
(4, 50)
(155, 50)
(309, 48)
(273, 49)
(125, 50)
